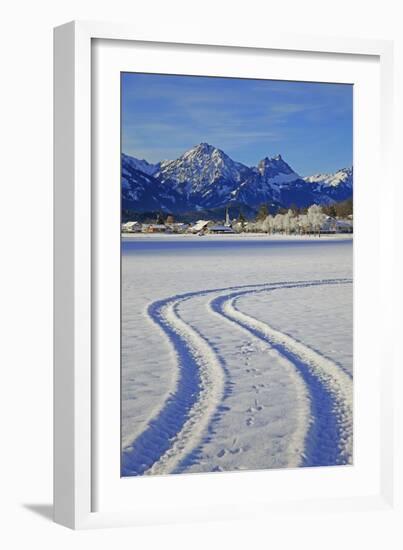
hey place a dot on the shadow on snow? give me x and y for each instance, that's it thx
(324, 433)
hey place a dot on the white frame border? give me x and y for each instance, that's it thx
(72, 252)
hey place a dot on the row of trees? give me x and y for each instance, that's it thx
(287, 222)
(336, 210)
(339, 209)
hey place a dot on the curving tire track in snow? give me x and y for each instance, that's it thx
(329, 439)
(211, 391)
(179, 426)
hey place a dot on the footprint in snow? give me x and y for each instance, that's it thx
(236, 451)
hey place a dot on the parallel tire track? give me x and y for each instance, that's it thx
(179, 426)
(329, 440)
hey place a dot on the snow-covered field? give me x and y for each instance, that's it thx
(236, 353)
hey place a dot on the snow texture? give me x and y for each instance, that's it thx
(236, 353)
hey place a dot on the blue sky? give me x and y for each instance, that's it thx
(310, 124)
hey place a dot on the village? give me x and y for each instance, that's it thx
(201, 227)
(313, 222)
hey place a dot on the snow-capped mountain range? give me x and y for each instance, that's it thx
(205, 178)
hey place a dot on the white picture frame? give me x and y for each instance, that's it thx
(78, 426)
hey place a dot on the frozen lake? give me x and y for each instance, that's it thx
(236, 353)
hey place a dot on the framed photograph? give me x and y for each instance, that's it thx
(218, 269)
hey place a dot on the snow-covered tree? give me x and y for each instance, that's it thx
(241, 219)
(316, 217)
(271, 224)
(303, 224)
(259, 225)
(238, 227)
(278, 222)
(267, 224)
(250, 227)
(293, 223)
(288, 221)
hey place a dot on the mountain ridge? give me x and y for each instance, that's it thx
(205, 177)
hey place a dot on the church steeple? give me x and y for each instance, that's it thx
(227, 222)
